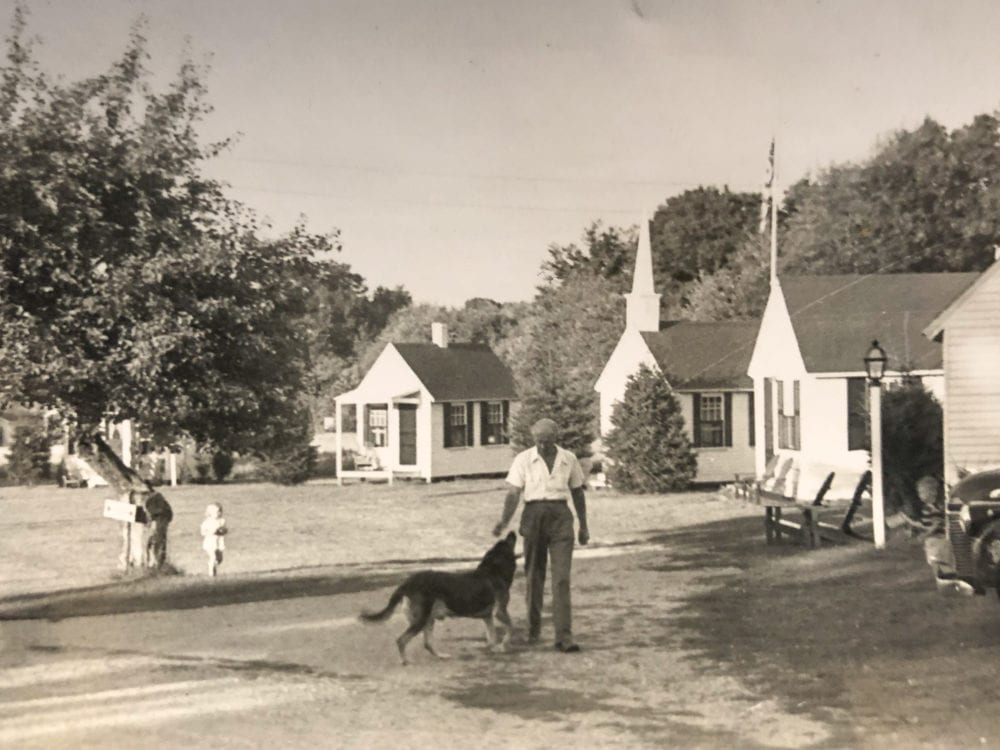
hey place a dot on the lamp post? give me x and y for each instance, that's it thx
(875, 361)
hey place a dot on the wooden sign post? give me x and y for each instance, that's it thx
(133, 524)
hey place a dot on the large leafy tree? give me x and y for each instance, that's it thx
(737, 290)
(695, 232)
(562, 344)
(606, 252)
(648, 448)
(130, 286)
(927, 200)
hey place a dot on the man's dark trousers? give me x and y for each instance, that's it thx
(547, 530)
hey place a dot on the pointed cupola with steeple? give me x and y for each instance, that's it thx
(642, 311)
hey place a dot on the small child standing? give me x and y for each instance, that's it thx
(213, 533)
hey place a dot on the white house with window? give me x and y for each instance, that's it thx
(427, 410)
(807, 365)
(704, 362)
(969, 332)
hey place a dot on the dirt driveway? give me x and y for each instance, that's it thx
(694, 635)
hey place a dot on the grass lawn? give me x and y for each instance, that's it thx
(57, 538)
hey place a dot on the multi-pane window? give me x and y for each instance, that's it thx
(711, 422)
(349, 418)
(456, 427)
(378, 426)
(789, 434)
(494, 427)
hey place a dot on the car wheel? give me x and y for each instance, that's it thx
(987, 556)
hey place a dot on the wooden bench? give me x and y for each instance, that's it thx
(775, 494)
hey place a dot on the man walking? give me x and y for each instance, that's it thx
(548, 476)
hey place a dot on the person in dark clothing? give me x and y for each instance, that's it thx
(159, 514)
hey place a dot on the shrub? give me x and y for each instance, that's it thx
(648, 449)
(573, 409)
(292, 466)
(30, 453)
(222, 465)
(912, 442)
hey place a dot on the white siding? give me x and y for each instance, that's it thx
(723, 464)
(475, 459)
(776, 351)
(972, 382)
(630, 352)
(776, 355)
(823, 407)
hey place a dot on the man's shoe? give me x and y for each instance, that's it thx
(568, 648)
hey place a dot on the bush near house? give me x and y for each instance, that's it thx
(912, 443)
(29, 461)
(648, 447)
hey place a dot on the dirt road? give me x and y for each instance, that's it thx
(698, 636)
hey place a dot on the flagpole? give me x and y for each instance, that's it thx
(774, 221)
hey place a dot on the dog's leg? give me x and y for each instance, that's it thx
(491, 631)
(429, 640)
(419, 615)
(500, 611)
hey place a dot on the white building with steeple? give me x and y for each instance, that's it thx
(705, 363)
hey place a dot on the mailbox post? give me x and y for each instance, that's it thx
(133, 522)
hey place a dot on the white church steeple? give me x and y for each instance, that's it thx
(642, 304)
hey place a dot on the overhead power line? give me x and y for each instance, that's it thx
(447, 204)
(399, 171)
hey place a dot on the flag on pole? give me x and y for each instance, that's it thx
(768, 193)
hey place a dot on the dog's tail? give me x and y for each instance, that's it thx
(383, 615)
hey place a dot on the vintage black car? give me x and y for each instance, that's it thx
(967, 559)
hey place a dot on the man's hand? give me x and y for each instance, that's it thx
(583, 536)
(498, 529)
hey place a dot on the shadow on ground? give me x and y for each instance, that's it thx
(153, 594)
(846, 628)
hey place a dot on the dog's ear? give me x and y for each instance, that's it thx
(512, 538)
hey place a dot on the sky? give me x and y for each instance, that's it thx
(452, 141)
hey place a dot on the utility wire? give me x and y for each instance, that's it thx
(395, 171)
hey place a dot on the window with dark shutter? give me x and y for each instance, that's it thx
(768, 436)
(796, 419)
(751, 420)
(710, 420)
(858, 437)
(696, 419)
(493, 423)
(377, 425)
(457, 425)
(727, 419)
(470, 425)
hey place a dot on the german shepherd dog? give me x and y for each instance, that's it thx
(433, 595)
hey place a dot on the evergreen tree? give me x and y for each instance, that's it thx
(648, 447)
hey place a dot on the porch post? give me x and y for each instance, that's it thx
(339, 444)
(391, 421)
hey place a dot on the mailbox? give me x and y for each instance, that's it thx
(119, 510)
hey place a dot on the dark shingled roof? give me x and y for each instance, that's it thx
(459, 372)
(701, 355)
(836, 317)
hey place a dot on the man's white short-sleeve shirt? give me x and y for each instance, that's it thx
(530, 473)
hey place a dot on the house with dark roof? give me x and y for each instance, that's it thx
(705, 364)
(808, 359)
(968, 331)
(427, 410)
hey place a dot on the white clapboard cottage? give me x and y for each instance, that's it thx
(428, 411)
(704, 362)
(969, 331)
(807, 364)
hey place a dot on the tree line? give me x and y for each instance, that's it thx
(133, 287)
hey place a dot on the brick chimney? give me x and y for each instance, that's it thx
(439, 334)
